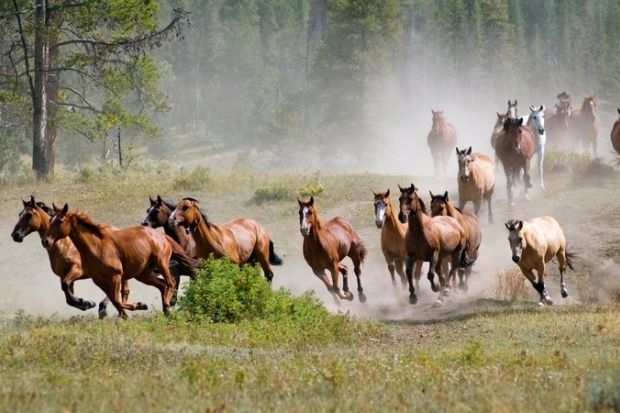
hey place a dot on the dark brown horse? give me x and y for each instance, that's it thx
(556, 124)
(442, 206)
(158, 215)
(514, 148)
(584, 125)
(615, 135)
(326, 245)
(64, 257)
(434, 240)
(113, 256)
(241, 241)
(441, 140)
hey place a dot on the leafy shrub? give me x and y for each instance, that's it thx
(274, 192)
(313, 187)
(580, 165)
(196, 180)
(224, 292)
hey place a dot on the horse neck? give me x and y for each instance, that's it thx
(176, 233)
(86, 242)
(417, 224)
(45, 224)
(208, 237)
(391, 218)
(451, 210)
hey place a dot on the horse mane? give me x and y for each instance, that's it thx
(90, 224)
(49, 211)
(169, 205)
(422, 205)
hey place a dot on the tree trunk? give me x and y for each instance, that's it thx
(40, 144)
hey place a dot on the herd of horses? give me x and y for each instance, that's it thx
(443, 235)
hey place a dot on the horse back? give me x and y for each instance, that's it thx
(138, 247)
(483, 171)
(450, 232)
(545, 236)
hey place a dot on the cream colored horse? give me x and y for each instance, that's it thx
(534, 243)
(476, 179)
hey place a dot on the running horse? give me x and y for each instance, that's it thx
(536, 123)
(615, 135)
(63, 256)
(476, 179)
(441, 139)
(514, 148)
(241, 241)
(158, 215)
(513, 112)
(326, 244)
(498, 128)
(557, 122)
(433, 240)
(584, 124)
(113, 256)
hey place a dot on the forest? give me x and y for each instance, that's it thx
(280, 74)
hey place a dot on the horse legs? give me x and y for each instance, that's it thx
(357, 269)
(541, 159)
(477, 204)
(163, 263)
(489, 197)
(541, 270)
(391, 267)
(508, 173)
(409, 271)
(431, 268)
(400, 269)
(149, 278)
(320, 273)
(527, 180)
(264, 263)
(561, 255)
(66, 285)
(335, 271)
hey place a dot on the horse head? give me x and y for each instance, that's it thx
(186, 213)
(307, 216)
(157, 213)
(30, 219)
(407, 201)
(512, 109)
(464, 159)
(439, 204)
(60, 227)
(537, 118)
(382, 203)
(512, 128)
(589, 104)
(438, 120)
(515, 237)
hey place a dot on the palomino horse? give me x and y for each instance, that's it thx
(441, 206)
(112, 256)
(429, 239)
(498, 129)
(241, 241)
(515, 148)
(476, 179)
(584, 124)
(513, 112)
(64, 257)
(326, 244)
(441, 139)
(615, 135)
(157, 215)
(392, 237)
(536, 123)
(535, 243)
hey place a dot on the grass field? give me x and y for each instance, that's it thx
(480, 352)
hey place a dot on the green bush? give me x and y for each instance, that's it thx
(274, 192)
(580, 165)
(312, 187)
(196, 180)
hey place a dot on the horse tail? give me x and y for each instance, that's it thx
(466, 260)
(362, 250)
(186, 264)
(274, 259)
(569, 258)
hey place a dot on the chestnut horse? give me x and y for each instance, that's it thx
(615, 135)
(326, 244)
(112, 256)
(534, 244)
(241, 241)
(64, 257)
(441, 139)
(514, 148)
(157, 216)
(441, 206)
(498, 128)
(429, 239)
(392, 237)
(476, 179)
(584, 124)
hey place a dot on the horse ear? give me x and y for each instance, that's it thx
(299, 201)
(311, 202)
(515, 102)
(469, 151)
(65, 209)
(387, 193)
(532, 108)
(507, 224)
(55, 207)
(542, 108)
(520, 121)
(151, 200)
(618, 110)
(519, 225)
(499, 115)
(457, 148)
(431, 194)
(445, 196)
(32, 200)
(25, 203)
(412, 188)
(509, 102)
(159, 200)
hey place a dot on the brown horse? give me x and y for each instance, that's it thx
(515, 147)
(64, 257)
(392, 237)
(533, 245)
(111, 256)
(476, 179)
(441, 139)
(615, 135)
(584, 124)
(241, 241)
(158, 214)
(498, 128)
(326, 245)
(429, 239)
(441, 206)
(556, 124)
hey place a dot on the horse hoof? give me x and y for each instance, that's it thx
(434, 288)
(413, 299)
(141, 306)
(548, 301)
(564, 293)
(348, 296)
(438, 303)
(541, 304)
(362, 297)
(102, 313)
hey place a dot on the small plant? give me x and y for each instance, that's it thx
(510, 285)
(196, 180)
(275, 192)
(312, 188)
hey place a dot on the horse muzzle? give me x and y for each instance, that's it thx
(516, 259)
(402, 218)
(465, 178)
(46, 243)
(541, 131)
(304, 231)
(17, 237)
(379, 224)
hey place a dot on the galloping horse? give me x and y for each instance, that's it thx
(429, 239)
(584, 124)
(157, 215)
(476, 179)
(515, 148)
(441, 206)
(326, 244)
(112, 256)
(512, 112)
(536, 123)
(557, 123)
(535, 243)
(241, 241)
(498, 128)
(441, 139)
(64, 257)
(615, 135)
(392, 237)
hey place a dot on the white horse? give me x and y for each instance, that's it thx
(536, 122)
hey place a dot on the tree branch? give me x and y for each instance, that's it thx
(81, 96)
(25, 47)
(75, 105)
